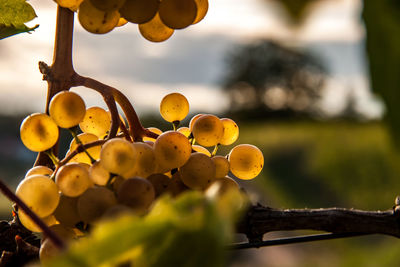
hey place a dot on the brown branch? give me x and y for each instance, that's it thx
(260, 220)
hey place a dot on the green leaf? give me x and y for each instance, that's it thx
(13, 16)
(187, 231)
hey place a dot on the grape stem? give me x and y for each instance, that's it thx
(79, 142)
(38, 221)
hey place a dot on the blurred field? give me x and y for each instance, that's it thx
(312, 164)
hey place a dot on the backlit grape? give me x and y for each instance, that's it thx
(174, 107)
(246, 161)
(67, 109)
(208, 130)
(97, 21)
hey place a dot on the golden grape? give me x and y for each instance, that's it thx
(31, 225)
(137, 193)
(67, 109)
(154, 130)
(193, 120)
(178, 14)
(97, 21)
(198, 172)
(98, 174)
(71, 4)
(201, 149)
(155, 30)
(96, 121)
(72, 179)
(208, 130)
(67, 211)
(184, 130)
(202, 8)
(174, 107)
(107, 5)
(145, 162)
(221, 166)
(160, 183)
(139, 11)
(42, 170)
(246, 161)
(94, 152)
(231, 132)
(118, 156)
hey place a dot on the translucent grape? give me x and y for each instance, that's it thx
(145, 162)
(154, 130)
(137, 193)
(98, 174)
(176, 186)
(221, 166)
(118, 156)
(48, 251)
(202, 8)
(198, 172)
(71, 4)
(67, 211)
(174, 107)
(94, 152)
(160, 183)
(208, 130)
(122, 21)
(231, 132)
(178, 14)
(67, 109)
(201, 149)
(72, 179)
(42, 170)
(31, 225)
(94, 202)
(184, 130)
(40, 194)
(63, 232)
(107, 5)
(39, 132)
(139, 11)
(155, 30)
(223, 185)
(193, 120)
(97, 21)
(96, 121)
(246, 161)
(172, 150)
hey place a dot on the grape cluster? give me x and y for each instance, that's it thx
(157, 19)
(117, 175)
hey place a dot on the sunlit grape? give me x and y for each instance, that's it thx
(97, 21)
(40, 194)
(198, 172)
(118, 156)
(48, 251)
(231, 132)
(107, 5)
(160, 183)
(154, 130)
(67, 211)
(221, 166)
(139, 11)
(39, 132)
(193, 120)
(63, 232)
(184, 130)
(201, 149)
(116, 182)
(42, 170)
(137, 193)
(174, 107)
(71, 4)
(145, 162)
(98, 174)
(67, 109)
(246, 161)
(72, 179)
(31, 225)
(94, 151)
(96, 121)
(208, 130)
(155, 30)
(178, 14)
(176, 186)
(202, 8)
(122, 21)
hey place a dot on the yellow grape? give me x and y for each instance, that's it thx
(178, 14)
(67, 211)
(202, 8)
(31, 225)
(145, 162)
(208, 130)
(98, 174)
(226, 183)
(149, 143)
(246, 161)
(118, 156)
(96, 121)
(71, 4)
(221, 166)
(139, 11)
(222, 186)
(116, 182)
(160, 183)
(39, 132)
(155, 30)
(122, 21)
(67, 109)
(176, 186)
(97, 21)
(40, 194)
(198, 172)
(48, 251)
(154, 130)
(193, 120)
(174, 107)
(201, 149)
(184, 130)
(94, 202)
(63, 232)
(94, 152)
(172, 150)
(231, 132)
(122, 120)
(137, 193)
(42, 170)
(107, 5)
(72, 179)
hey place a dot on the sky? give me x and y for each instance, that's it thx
(192, 61)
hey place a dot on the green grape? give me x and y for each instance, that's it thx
(160, 183)
(155, 30)
(221, 166)
(42, 170)
(94, 202)
(67, 109)
(40, 194)
(72, 179)
(31, 225)
(208, 130)
(94, 152)
(176, 186)
(118, 156)
(145, 161)
(193, 120)
(98, 174)
(246, 161)
(154, 130)
(107, 5)
(39, 132)
(67, 211)
(71, 4)
(96, 121)
(174, 107)
(97, 21)
(137, 193)
(202, 8)
(139, 11)
(198, 172)
(185, 131)
(231, 132)
(201, 149)
(178, 14)
(172, 150)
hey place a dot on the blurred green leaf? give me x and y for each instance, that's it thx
(13, 16)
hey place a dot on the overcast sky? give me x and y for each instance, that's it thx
(191, 61)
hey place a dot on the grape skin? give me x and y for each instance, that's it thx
(193, 120)
(71, 4)
(96, 121)
(145, 163)
(139, 11)
(155, 30)
(107, 5)
(154, 130)
(246, 161)
(208, 130)
(31, 225)
(185, 131)
(82, 157)
(231, 132)
(137, 193)
(97, 21)
(73, 179)
(202, 8)
(178, 14)
(39, 132)
(67, 109)
(118, 156)
(42, 170)
(198, 172)
(221, 166)
(201, 149)
(67, 211)
(98, 174)
(160, 183)
(174, 107)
